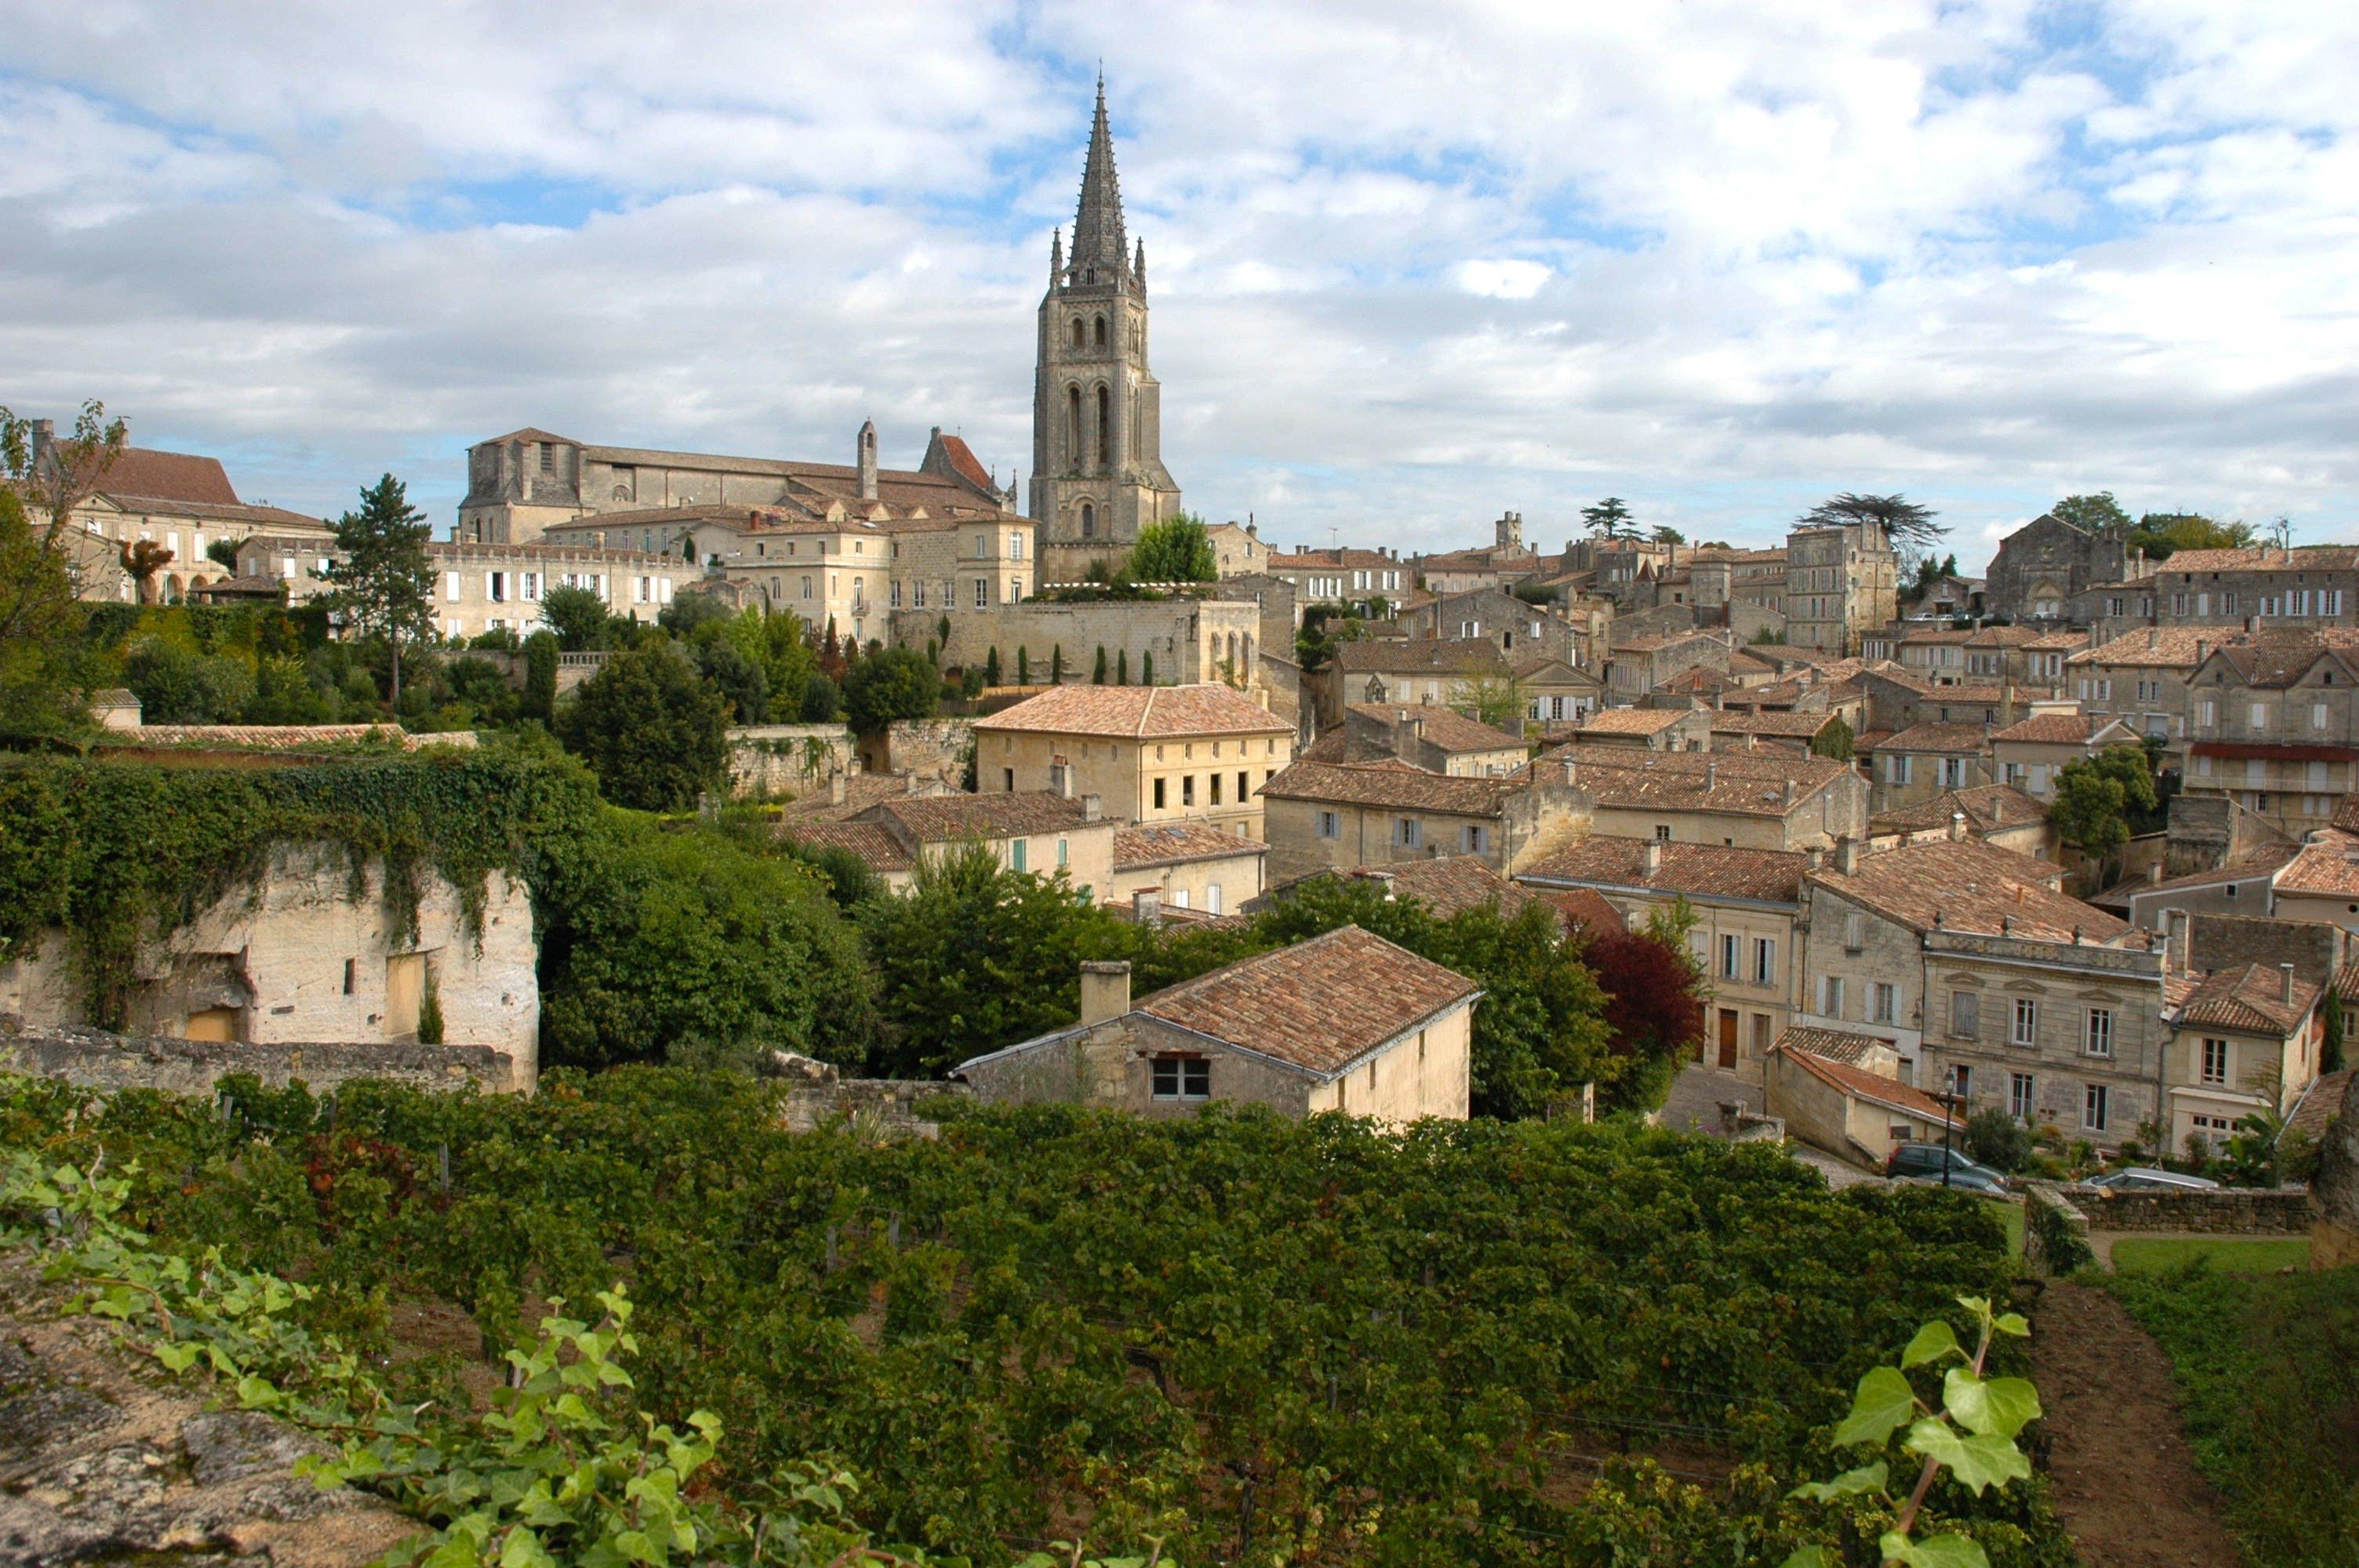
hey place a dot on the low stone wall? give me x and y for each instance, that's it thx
(102, 1060)
(2055, 1231)
(816, 1097)
(2230, 1211)
(928, 747)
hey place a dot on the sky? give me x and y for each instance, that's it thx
(1410, 265)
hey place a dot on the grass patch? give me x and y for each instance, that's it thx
(2269, 1365)
(2240, 1255)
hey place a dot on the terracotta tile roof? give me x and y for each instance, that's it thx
(1176, 843)
(1658, 641)
(2263, 864)
(2346, 815)
(1528, 667)
(2250, 997)
(861, 791)
(939, 818)
(2320, 1104)
(2280, 658)
(1703, 869)
(147, 474)
(1582, 908)
(1969, 886)
(2262, 557)
(1444, 725)
(1389, 784)
(2346, 981)
(1329, 748)
(2057, 642)
(968, 466)
(1138, 712)
(872, 841)
(2167, 647)
(1421, 656)
(1837, 1045)
(1985, 806)
(1319, 1005)
(1632, 720)
(2329, 864)
(1968, 738)
(2056, 728)
(1751, 783)
(1793, 726)
(1329, 560)
(1449, 885)
(1858, 1083)
(276, 736)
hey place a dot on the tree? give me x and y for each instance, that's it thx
(1498, 701)
(1056, 665)
(44, 664)
(2093, 513)
(1608, 519)
(177, 686)
(896, 684)
(2095, 794)
(2160, 535)
(1146, 670)
(577, 616)
(1910, 526)
(690, 613)
(1836, 740)
(822, 700)
(142, 559)
(1997, 1140)
(1655, 998)
(383, 583)
(224, 553)
(1097, 677)
(975, 956)
(1121, 666)
(1668, 536)
(742, 682)
(991, 666)
(1023, 664)
(540, 676)
(1179, 549)
(2330, 1049)
(651, 728)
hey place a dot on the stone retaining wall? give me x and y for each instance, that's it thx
(2055, 1232)
(766, 761)
(102, 1060)
(2230, 1211)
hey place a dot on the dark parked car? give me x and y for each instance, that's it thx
(1923, 1161)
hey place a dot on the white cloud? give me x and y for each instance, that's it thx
(1409, 268)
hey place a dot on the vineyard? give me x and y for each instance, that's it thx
(1246, 1339)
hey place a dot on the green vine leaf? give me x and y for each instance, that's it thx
(1977, 1462)
(1867, 1478)
(1999, 1407)
(1810, 1557)
(1885, 1401)
(1941, 1552)
(1933, 1341)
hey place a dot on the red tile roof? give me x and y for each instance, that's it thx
(1176, 843)
(1444, 725)
(1421, 656)
(2249, 996)
(1966, 885)
(1703, 870)
(1449, 885)
(941, 818)
(1138, 712)
(1391, 784)
(1582, 908)
(142, 472)
(871, 841)
(1319, 1005)
(1973, 738)
(1985, 806)
(1858, 1083)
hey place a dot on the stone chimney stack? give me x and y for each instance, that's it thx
(2154, 873)
(835, 787)
(1105, 988)
(2174, 943)
(1957, 827)
(1814, 857)
(1847, 855)
(1650, 859)
(1093, 809)
(868, 460)
(2286, 971)
(45, 437)
(1147, 907)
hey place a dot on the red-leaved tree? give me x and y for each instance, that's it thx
(1654, 997)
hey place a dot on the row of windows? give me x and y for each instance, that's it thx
(1883, 999)
(2097, 1033)
(1212, 781)
(1409, 832)
(2297, 604)
(2023, 1098)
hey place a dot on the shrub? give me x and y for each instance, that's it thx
(897, 684)
(651, 728)
(1997, 1140)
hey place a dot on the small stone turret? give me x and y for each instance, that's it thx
(868, 460)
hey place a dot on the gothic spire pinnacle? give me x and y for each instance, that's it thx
(1097, 224)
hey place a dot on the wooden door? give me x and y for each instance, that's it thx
(404, 993)
(1728, 1039)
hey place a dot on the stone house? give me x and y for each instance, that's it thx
(1894, 701)
(2320, 882)
(2259, 588)
(1719, 576)
(1036, 831)
(1738, 729)
(2045, 569)
(1342, 576)
(490, 588)
(1837, 1093)
(1746, 800)
(1747, 903)
(1431, 736)
(1150, 754)
(1237, 549)
(1841, 580)
(2030, 752)
(2140, 677)
(1638, 664)
(1998, 814)
(2245, 887)
(1518, 628)
(1867, 919)
(1556, 692)
(1187, 865)
(1337, 816)
(1404, 669)
(2247, 1040)
(1345, 1021)
(1648, 728)
(303, 955)
(2273, 725)
(1926, 759)
(1986, 656)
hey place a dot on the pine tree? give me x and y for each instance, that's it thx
(381, 580)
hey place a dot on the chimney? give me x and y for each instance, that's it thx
(2286, 972)
(1847, 855)
(2007, 925)
(1957, 827)
(868, 460)
(1650, 859)
(1710, 776)
(1789, 792)
(1814, 857)
(1146, 908)
(2175, 941)
(1105, 988)
(836, 788)
(2153, 637)
(2202, 650)
(1093, 809)
(2154, 873)
(45, 436)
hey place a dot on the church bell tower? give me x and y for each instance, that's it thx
(1097, 411)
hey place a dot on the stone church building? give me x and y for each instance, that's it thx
(1097, 410)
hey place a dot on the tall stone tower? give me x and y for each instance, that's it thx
(1097, 411)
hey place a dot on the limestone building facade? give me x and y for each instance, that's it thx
(1097, 410)
(1150, 754)
(1841, 580)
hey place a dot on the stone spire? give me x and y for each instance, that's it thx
(1097, 225)
(1057, 259)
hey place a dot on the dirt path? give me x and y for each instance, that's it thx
(2125, 1477)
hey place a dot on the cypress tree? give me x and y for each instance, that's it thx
(1147, 669)
(991, 667)
(1122, 667)
(1056, 665)
(1097, 677)
(1023, 664)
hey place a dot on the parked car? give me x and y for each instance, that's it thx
(1922, 1164)
(2146, 1178)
